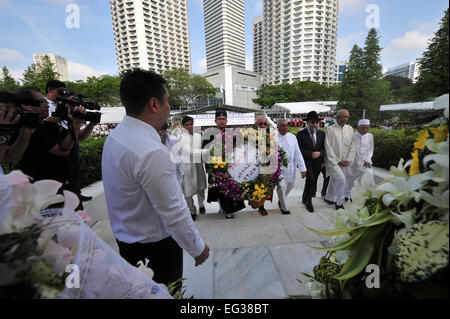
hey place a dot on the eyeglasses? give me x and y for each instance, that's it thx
(263, 123)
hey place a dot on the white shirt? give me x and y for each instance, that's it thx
(143, 196)
(51, 109)
(364, 152)
(289, 144)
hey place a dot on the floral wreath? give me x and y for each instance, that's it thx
(256, 191)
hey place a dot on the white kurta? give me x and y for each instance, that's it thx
(339, 146)
(194, 177)
(289, 144)
(364, 152)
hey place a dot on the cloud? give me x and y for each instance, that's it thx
(10, 55)
(407, 48)
(345, 45)
(5, 3)
(350, 6)
(200, 66)
(78, 71)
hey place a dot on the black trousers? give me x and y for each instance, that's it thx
(165, 258)
(312, 175)
(326, 180)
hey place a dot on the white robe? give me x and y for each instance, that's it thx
(289, 144)
(339, 146)
(364, 152)
(194, 177)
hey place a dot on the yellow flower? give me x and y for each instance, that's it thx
(222, 166)
(422, 139)
(414, 169)
(216, 166)
(440, 133)
(256, 186)
(262, 185)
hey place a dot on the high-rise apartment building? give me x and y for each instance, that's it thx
(258, 44)
(409, 70)
(299, 40)
(59, 64)
(339, 70)
(151, 34)
(224, 33)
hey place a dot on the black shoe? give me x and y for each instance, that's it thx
(329, 202)
(338, 206)
(347, 199)
(263, 211)
(194, 217)
(84, 198)
(229, 216)
(310, 207)
(202, 210)
(285, 212)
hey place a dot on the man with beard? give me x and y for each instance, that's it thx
(312, 145)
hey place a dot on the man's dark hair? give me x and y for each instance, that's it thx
(186, 119)
(53, 84)
(27, 92)
(138, 86)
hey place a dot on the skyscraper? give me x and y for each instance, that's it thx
(59, 64)
(258, 44)
(339, 71)
(151, 34)
(409, 70)
(224, 33)
(299, 40)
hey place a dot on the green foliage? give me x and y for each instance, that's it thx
(433, 80)
(91, 160)
(392, 145)
(104, 90)
(37, 75)
(363, 87)
(299, 91)
(7, 82)
(185, 89)
(177, 291)
(422, 250)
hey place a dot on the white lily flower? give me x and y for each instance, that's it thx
(407, 218)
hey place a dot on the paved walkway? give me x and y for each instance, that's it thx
(252, 256)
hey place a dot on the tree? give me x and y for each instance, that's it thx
(363, 88)
(7, 82)
(185, 89)
(37, 75)
(433, 80)
(269, 95)
(402, 88)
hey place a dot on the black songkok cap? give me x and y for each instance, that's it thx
(221, 112)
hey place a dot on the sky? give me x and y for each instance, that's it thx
(47, 26)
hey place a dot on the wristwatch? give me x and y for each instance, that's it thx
(3, 140)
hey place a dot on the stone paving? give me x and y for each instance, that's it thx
(252, 256)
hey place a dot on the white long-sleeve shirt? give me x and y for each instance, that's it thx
(289, 143)
(364, 151)
(144, 199)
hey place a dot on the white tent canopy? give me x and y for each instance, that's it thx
(302, 107)
(420, 106)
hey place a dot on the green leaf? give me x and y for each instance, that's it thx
(342, 246)
(361, 254)
(376, 219)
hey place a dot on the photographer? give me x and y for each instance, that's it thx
(56, 90)
(19, 118)
(47, 156)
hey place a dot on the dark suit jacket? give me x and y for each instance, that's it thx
(306, 146)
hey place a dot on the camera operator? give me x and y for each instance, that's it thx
(15, 141)
(55, 89)
(47, 156)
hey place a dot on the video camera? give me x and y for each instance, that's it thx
(27, 118)
(70, 100)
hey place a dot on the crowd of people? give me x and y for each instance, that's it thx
(299, 120)
(149, 197)
(102, 130)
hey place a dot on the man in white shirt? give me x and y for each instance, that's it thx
(194, 177)
(340, 154)
(363, 158)
(288, 142)
(148, 214)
